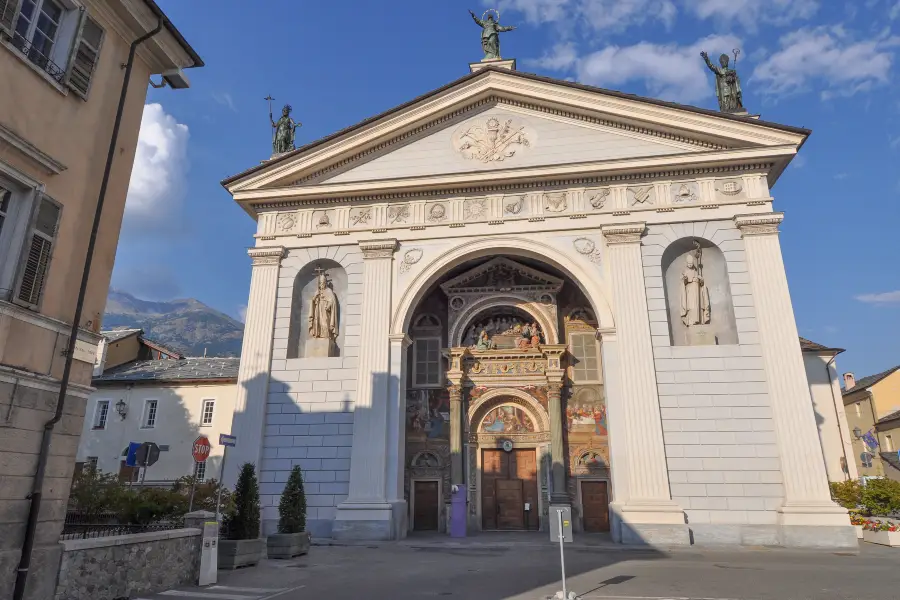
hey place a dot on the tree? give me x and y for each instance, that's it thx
(292, 507)
(881, 497)
(244, 523)
(847, 493)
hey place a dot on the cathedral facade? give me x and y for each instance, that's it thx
(516, 292)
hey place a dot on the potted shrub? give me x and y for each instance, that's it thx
(242, 546)
(882, 532)
(859, 522)
(292, 538)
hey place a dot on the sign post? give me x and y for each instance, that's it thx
(146, 456)
(200, 451)
(228, 441)
(561, 531)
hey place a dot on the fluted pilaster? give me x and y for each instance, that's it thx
(559, 495)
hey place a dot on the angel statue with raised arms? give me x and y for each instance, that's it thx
(490, 33)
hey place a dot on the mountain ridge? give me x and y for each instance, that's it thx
(186, 324)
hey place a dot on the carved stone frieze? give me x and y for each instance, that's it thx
(514, 205)
(361, 216)
(491, 140)
(286, 222)
(685, 192)
(555, 202)
(597, 198)
(410, 257)
(475, 209)
(398, 213)
(642, 195)
(322, 219)
(436, 212)
(730, 187)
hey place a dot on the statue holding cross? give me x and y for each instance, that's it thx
(323, 309)
(284, 130)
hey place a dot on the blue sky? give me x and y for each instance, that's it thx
(827, 65)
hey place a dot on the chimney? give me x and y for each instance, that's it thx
(849, 381)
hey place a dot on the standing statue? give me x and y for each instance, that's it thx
(694, 293)
(728, 84)
(490, 34)
(283, 131)
(323, 310)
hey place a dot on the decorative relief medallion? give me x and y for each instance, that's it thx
(491, 141)
(360, 216)
(588, 249)
(475, 208)
(286, 222)
(555, 202)
(437, 212)
(398, 213)
(457, 303)
(732, 187)
(513, 205)
(641, 195)
(410, 257)
(684, 192)
(322, 220)
(598, 198)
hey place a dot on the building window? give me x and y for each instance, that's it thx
(858, 410)
(888, 443)
(5, 195)
(91, 462)
(584, 349)
(206, 417)
(36, 260)
(866, 460)
(100, 414)
(149, 421)
(427, 362)
(200, 471)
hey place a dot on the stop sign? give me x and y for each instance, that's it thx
(201, 449)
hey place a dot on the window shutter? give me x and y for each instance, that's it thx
(85, 54)
(9, 12)
(37, 254)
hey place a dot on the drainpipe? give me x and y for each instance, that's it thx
(38, 483)
(837, 415)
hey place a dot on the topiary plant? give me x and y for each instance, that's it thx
(292, 507)
(244, 523)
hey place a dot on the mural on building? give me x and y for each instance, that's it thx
(586, 412)
(427, 415)
(507, 419)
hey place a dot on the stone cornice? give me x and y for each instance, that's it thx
(763, 224)
(626, 233)
(400, 338)
(378, 248)
(266, 256)
(26, 148)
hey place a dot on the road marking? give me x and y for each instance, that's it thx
(282, 592)
(206, 595)
(229, 588)
(601, 597)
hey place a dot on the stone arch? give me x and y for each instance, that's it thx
(426, 460)
(722, 328)
(508, 396)
(304, 287)
(550, 329)
(594, 289)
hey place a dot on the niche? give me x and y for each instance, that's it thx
(699, 313)
(305, 290)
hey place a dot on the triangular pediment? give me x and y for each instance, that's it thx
(501, 275)
(510, 126)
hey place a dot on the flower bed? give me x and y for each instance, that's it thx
(882, 532)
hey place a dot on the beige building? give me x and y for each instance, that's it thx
(61, 68)
(873, 412)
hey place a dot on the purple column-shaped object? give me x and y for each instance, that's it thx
(458, 513)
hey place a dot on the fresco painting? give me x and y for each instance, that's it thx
(427, 415)
(586, 412)
(507, 419)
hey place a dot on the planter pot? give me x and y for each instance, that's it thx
(287, 545)
(885, 538)
(239, 553)
(859, 531)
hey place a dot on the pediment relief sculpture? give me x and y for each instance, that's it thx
(491, 140)
(501, 274)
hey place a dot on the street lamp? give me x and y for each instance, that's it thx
(122, 409)
(857, 432)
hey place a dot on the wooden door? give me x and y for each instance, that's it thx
(526, 472)
(510, 506)
(425, 505)
(595, 506)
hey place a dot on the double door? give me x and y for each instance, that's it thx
(509, 490)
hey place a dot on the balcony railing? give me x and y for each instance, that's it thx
(38, 59)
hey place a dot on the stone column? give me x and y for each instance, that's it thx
(256, 360)
(366, 514)
(559, 494)
(456, 435)
(807, 497)
(648, 515)
(396, 433)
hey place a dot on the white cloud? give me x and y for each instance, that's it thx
(882, 298)
(829, 57)
(158, 177)
(600, 15)
(242, 313)
(895, 11)
(750, 13)
(225, 99)
(667, 71)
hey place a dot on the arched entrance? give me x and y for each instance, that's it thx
(499, 348)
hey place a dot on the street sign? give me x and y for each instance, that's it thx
(147, 454)
(227, 440)
(201, 449)
(131, 455)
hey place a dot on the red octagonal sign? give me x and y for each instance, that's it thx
(201, 449)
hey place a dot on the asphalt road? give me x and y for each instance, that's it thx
(531, 571)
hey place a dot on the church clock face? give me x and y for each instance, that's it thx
(507, 445)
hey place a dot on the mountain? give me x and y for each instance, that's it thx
(186, 325)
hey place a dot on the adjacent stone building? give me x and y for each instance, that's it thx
(872, 404)
(532, 292)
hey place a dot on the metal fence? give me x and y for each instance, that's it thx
(80, 526)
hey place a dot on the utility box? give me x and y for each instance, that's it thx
(561, 514)
(209, 554)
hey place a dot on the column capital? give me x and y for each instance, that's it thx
(625, 233)
(267, 256)
(554, 386)
(378, 248)
(760, 224)
(400, 338)
(606, 334)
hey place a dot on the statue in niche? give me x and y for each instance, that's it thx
(728, 84)
(490, 33)
(323, 310)
(694, 293)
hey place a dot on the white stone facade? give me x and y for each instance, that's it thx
(713, 440)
